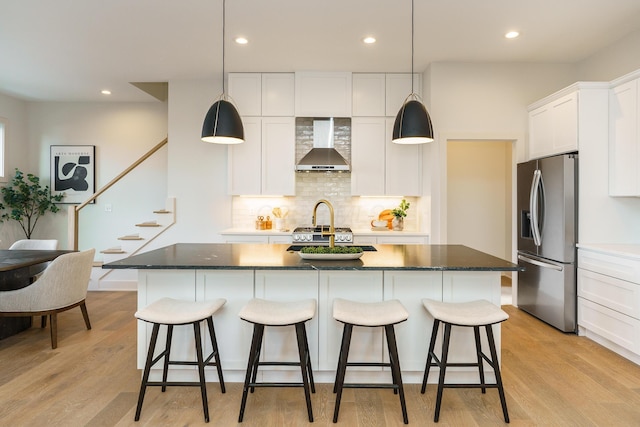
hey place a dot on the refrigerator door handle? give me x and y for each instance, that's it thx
(540, 263)
(533, 206)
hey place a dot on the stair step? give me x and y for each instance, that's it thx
(131, 237)
(113, 251)
(162, 211)
(149, 224)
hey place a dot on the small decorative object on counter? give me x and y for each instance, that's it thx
(399, 214)
(386, 215)
(260, 223)
(268, 223)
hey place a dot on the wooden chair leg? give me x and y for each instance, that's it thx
(54, 330)
(85, 314)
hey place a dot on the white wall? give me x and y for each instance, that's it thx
(482, 101)
(612, 62)
(122, 133)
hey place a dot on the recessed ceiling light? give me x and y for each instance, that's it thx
(105, 92)
(241, 40)
(512, 34)
(369, 40)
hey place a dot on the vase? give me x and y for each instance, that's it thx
(398, 223)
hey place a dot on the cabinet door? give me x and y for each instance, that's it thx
(233, 335)
(278, 97)
(280, 343)
(398, 87)
(244, 160)
(624, 142)
(245, 89)
(366, 343)
(403, 171)
(323, 94)
(369, 95)
(565, 124)
(540, 132)
(368, 141)
(278, 156)
(413, 335)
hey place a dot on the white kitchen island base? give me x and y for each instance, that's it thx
(238, 286)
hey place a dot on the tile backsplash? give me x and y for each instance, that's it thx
(350, 211)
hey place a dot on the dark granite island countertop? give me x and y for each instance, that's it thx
(205, 256)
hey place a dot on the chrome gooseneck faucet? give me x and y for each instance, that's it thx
(332, 230)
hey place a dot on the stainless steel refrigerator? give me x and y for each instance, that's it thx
(547, 233)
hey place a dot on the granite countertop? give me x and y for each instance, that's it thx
(227, 256)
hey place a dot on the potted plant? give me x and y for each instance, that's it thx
(26, 201)
(399, 214)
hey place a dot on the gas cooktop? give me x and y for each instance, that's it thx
(318, 234)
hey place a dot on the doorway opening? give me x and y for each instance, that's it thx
(479, 198)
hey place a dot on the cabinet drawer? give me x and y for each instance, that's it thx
(615, 327)
(616, 294)
(402, 240)
(610, 265)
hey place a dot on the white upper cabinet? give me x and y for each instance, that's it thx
(264, 163)
(323, 94)
(398, 87)
(245, 90)
(378, 166)
(624, 139)
(553, 127)
(369, 95)
(278, 94)
(567, 119)
(263, 94)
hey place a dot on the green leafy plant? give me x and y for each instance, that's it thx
(401, 211)
(25, 201)
(329, 250)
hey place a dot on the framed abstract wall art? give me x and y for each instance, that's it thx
(73, 172)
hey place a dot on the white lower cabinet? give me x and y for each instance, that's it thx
(412, 335)
(256, 238)
(390, 239)
(609, 301)
(280, 342)
(366, 343)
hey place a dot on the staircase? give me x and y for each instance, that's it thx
(128, 245)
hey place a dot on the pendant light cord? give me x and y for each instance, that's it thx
(411, 47)
(223, 31)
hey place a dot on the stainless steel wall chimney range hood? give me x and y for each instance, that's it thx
(323, 156)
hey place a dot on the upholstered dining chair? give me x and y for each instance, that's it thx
(50, 244)
(62, 286)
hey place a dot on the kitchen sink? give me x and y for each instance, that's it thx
(364, 248)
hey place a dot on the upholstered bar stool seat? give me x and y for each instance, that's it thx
(369, 314)
(171, 312)
(473, 314)
(263, 313)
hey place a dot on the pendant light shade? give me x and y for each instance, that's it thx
(222, 124)
(413, 124)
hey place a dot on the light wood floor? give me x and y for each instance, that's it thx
(551, 379)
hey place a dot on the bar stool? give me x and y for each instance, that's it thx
(467, 314)
(172, 312)
(263, 313)
(375, 314)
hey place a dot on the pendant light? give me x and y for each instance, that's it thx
(413, 124)
(222, 124)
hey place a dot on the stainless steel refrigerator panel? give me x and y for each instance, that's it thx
(547, 291)
(525, 178)
(558, 222)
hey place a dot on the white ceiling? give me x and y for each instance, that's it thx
(71, 49)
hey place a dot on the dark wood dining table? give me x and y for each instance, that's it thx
(17, 268)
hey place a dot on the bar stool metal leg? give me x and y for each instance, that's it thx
(496, 369)
(430, 354)
(252, 366)
(308, 364)
(476, 333)
(167, 349)
(342, 367)
(304, 356)
(395, 368)
(216, 353)
(443, 369)
(147, 369)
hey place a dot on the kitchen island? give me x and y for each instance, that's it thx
(239, 272)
